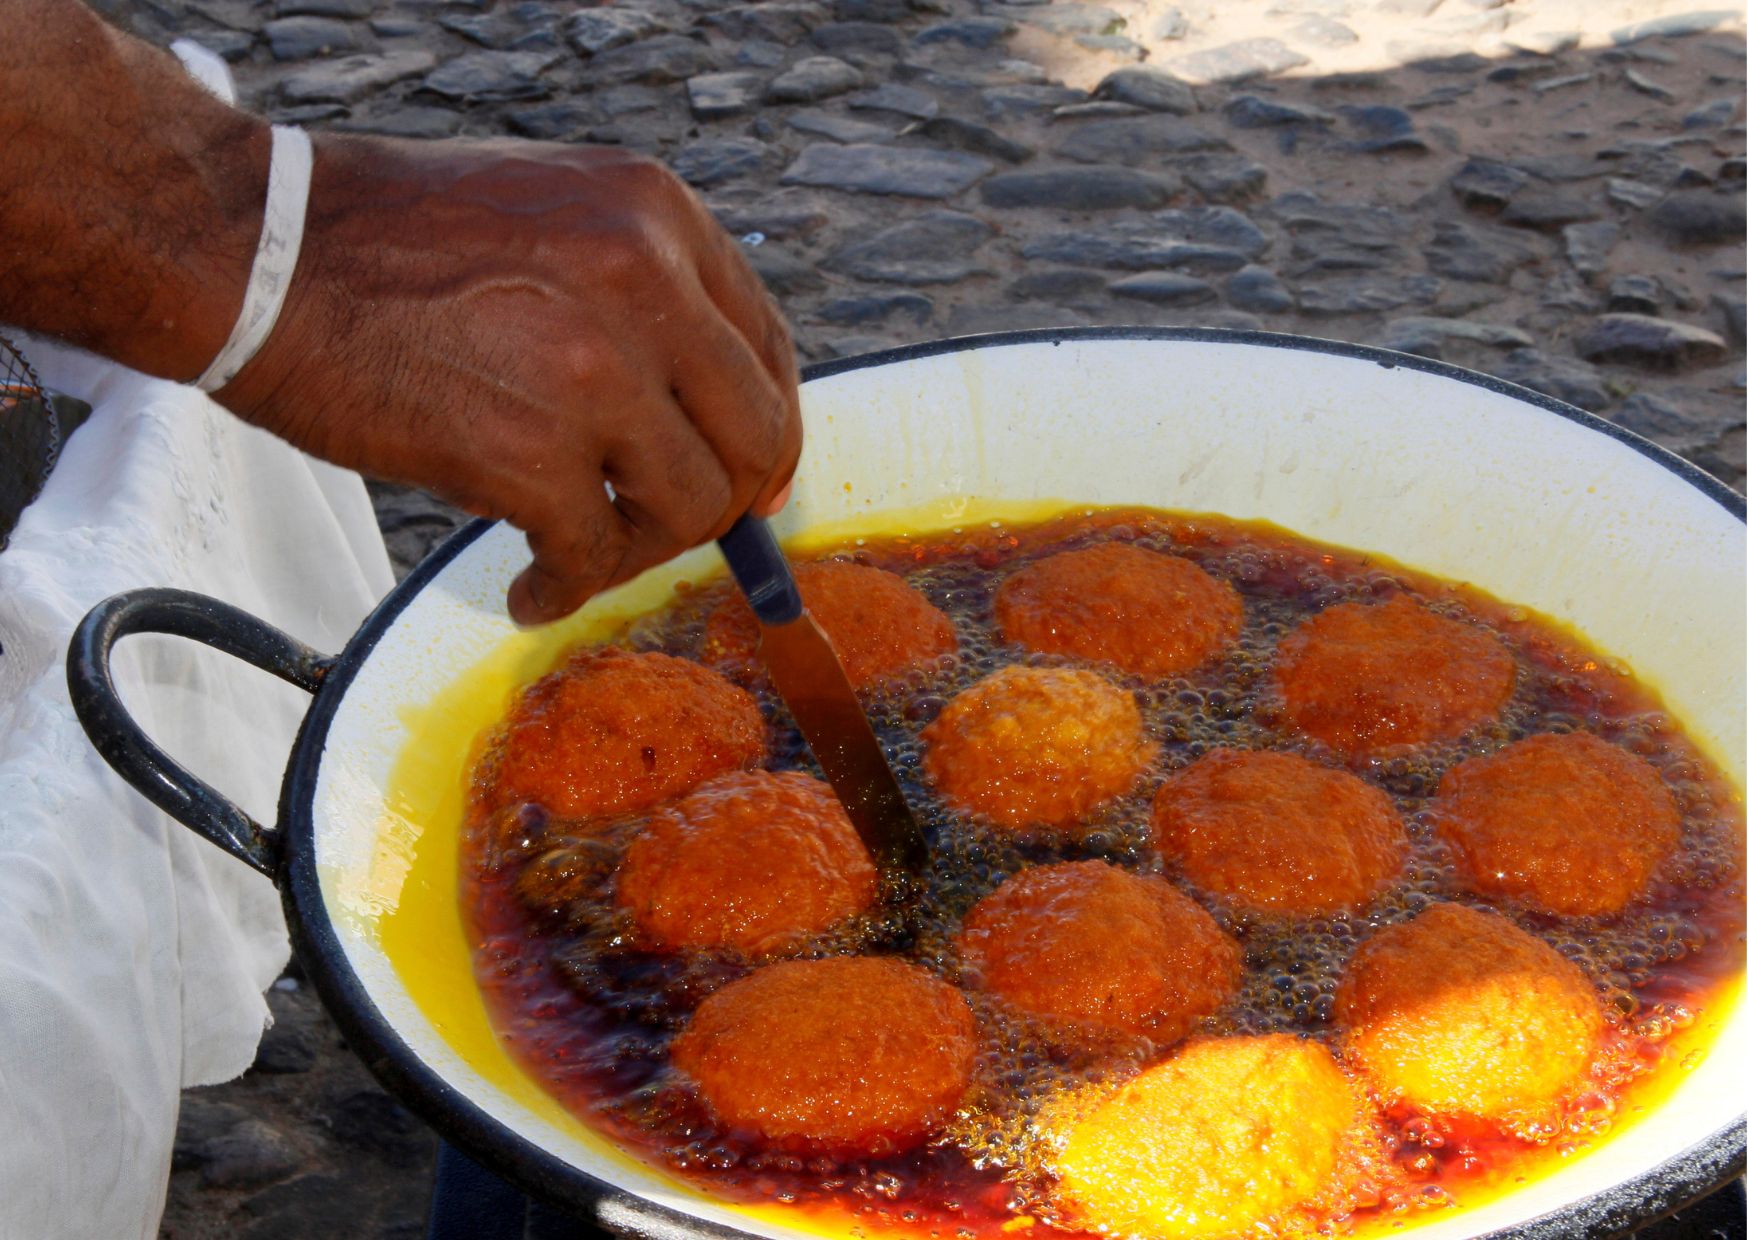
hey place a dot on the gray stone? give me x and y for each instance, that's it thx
(1732, 309)
(976, 32)
(559, 121)
(199, 1122)
(1134, 140)
(857, 346)
(1028, 99)
(1164, 288)
(629, 100)
(1645, 86)
(595, 30)
(787, 213)
(1091, 187)
(758, 54)
(813, 78)
(1224, 177)
(1113, 44)
(1322, 32)
(782, 22)
(1064, 286)
(1563, 378)
(978, 139)
(370, 1121)
(972, 319)
(1068, 20)
(1409, 8)
(1735, 168)
(1337, 236)
(1465, 252)
(1519, 71)
(864, 168)
(1439, 56)
(1674, 26)
(1667, 423)
(1548, 210)
(1652, 344)
(325, 8)
(783, 273)
(1487, 184)
(1364, 294)
(399, 28)
(1635, 194)
(1589, 245)
(1169, 25)
(1126, 248)
(1717, 112)
(1568, 292)
(1429, 336)
(406, 121)
(877, 308)
(865, 39)
(250, 1155)
(1097, 109)
(497, 31)
(871, 10)
(1153, 89)
(1382, 129)
(342, 81)
(1237, 62)
(231, 45)
(1547, 85)
(1260, 290)
(308, 113)
(1699, 219)
(655, 60)
(894, 97)
(711, 161)
(839, 128)
(934, 247)
(713, 96)
(1634, 295)
(1255, 112)
(491, 77)
(300, 38)
(1544, 42)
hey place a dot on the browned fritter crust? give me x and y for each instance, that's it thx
(1362, 677)
(1566, 824)
(612, 732)
(1147, 613)
(1460, 1012)
(1279, 833)
(751, 860)
(850, 1055)
(1032, 746)
(1086, 944)
(878, 623)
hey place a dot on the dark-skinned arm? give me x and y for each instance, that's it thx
(507, 324)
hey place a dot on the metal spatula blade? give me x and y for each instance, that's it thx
(807, 673)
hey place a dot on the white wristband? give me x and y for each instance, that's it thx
(288, 196)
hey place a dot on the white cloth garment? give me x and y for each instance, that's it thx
(133, 955)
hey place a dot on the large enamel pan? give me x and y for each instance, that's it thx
(1438, 468)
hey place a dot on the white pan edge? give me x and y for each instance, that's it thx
(1444, 476)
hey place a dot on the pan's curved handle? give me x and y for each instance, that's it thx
(159, 777)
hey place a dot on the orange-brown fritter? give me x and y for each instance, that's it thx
(752, 860)
(848, 1055)
(612, 732)
(1566, 824)
(1037, 746)
(878, 623)
(1362, 677)
(1086, 944)
(1279, 833)
(1460, 1012)
(1227, 1133)
(1151, 614)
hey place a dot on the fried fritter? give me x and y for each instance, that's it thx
(1032, 746)
(878, 623)
(848, 1056)
(612, 732)
(1227, 1133)
(752, 860)
(1151, 614)
(1460, 1012)
(1570, 824)
(1364, 677)
(1086, 944)
(1279, 833)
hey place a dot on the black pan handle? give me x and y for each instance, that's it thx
(760, 570)
(160, 778)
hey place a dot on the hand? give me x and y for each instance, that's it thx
(511, 325)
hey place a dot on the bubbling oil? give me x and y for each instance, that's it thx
(592, 1014)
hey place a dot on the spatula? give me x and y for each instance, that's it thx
(807, 673)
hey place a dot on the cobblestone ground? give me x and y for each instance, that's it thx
(1547, 190)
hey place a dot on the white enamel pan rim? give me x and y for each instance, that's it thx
(489, 1129)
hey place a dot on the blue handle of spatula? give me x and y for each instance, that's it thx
(760, 570)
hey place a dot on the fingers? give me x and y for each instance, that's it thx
(578, 552)
(671, 487)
